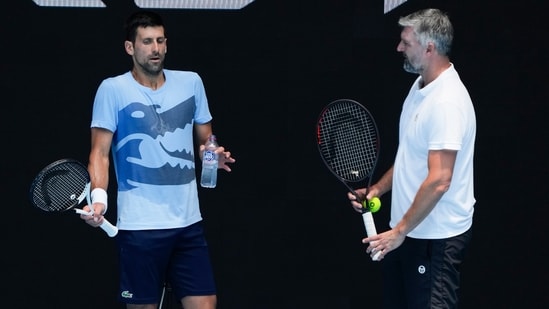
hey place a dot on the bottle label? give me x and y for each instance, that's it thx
(209, 156)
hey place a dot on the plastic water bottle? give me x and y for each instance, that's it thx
(209, 164)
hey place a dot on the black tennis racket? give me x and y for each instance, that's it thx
(348, 143)
(63, 185)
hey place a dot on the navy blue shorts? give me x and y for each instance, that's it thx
(424, 273)
(150, 258)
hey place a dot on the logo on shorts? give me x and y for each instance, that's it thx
(421, 269)
(127, 294)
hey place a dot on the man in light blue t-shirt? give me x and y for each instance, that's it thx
(146, 119)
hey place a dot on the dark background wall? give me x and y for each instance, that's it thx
(281, 231)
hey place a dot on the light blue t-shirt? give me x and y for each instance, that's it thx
(153, 148)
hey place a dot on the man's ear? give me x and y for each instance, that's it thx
(430, 47)
(128, 46)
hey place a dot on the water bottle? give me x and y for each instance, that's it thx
(209, 164)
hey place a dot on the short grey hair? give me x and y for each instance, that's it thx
(431, 25)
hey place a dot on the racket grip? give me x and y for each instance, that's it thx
(110, 229)
(370, 226)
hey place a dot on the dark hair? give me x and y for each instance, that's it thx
(141, 19)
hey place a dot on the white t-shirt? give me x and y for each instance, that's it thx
(439, 116)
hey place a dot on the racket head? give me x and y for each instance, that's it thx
(60, 186)
(348, 140)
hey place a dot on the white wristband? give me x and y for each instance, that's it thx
(99, 195)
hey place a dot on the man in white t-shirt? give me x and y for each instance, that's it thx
(431, 180)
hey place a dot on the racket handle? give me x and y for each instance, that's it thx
(368, 219)
(110, 229)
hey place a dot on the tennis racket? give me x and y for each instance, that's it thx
(348, 143)
(63, 185)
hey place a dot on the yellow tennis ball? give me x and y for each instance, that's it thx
(374, 204)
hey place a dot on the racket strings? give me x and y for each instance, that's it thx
(348, 140)
(60, 187)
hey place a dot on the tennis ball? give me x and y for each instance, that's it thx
(374, 204)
